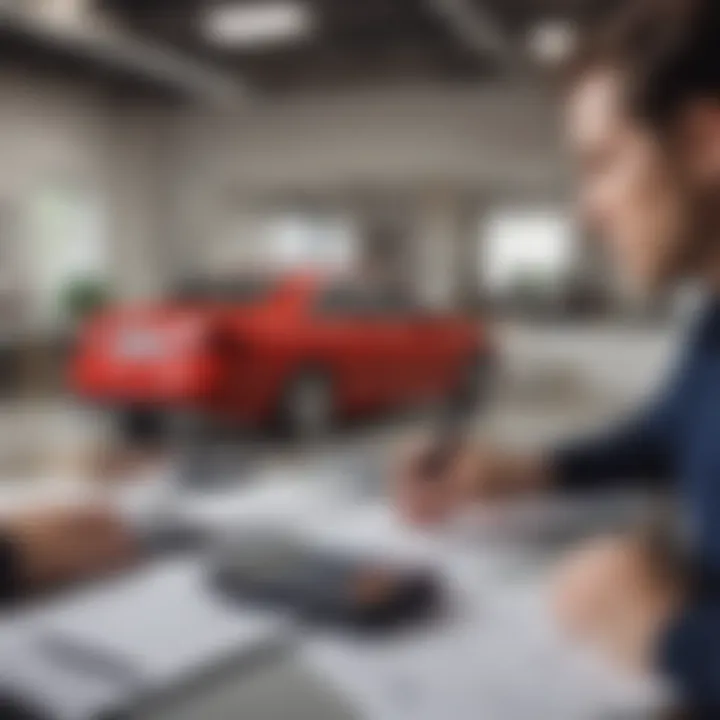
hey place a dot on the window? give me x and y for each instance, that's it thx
(308, 239)
(344, 300)
(365, 301)
(67, 244)
(522, 247)
(240, 291)
(393, 303)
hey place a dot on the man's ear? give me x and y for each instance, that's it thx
(699, 136)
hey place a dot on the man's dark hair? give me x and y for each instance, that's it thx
(667, 51)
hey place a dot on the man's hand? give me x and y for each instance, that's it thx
(617, 596)
(470, 473)
(66, 544)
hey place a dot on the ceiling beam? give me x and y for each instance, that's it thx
(478, 30)
(164, 66)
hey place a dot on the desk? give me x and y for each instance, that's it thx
(279, 689)
(493, 657)
(444, 673)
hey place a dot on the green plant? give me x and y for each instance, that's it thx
(82, 297)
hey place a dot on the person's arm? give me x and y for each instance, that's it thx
(689, 655)
(640, 600)
(45, 548)
(638, 453)
(10, 572)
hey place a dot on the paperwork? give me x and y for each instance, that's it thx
(135, 638)
(495, 656)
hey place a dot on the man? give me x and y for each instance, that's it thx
(643, 113)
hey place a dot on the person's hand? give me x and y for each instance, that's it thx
(616, 596)
(65, 544)
(427, 491)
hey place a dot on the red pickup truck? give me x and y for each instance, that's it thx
(298, 351)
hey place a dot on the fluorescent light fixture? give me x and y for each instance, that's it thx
(258, 24)
(551, 42)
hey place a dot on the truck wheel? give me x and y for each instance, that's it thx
(307, 409)
(474, 387)
(139, 426)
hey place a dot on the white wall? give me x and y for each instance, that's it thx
(49, 129)
(420, 143)
(56, 131)
(141, 151)
(477, 136)
(178, 182)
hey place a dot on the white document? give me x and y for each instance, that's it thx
(499, 666)
(120, 644)
(495, 656)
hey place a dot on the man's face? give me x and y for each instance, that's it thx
(631, 193)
